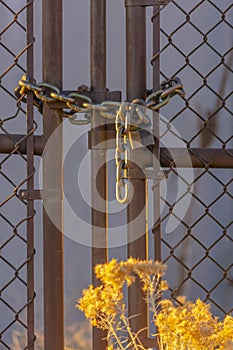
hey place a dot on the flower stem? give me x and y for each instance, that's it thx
(132, 337)
(112, 330)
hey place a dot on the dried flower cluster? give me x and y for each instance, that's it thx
(192, 326)
(104, 305)
(187, 327)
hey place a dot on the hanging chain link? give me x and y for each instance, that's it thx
(127, 117)
(122, 155)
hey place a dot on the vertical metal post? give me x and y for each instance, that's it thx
(30, 184)
(156, 149)
(136, 88)
(53, 239)
(98, 157)
(98, 44)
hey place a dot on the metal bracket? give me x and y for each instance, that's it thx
(30, 195)
(144, 3)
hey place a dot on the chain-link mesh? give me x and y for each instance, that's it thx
(195, 45)
(196, 41)
(16, 172)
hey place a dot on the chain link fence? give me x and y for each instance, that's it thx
(196, 45)
(16, 172)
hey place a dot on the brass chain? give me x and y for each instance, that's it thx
(77, 103)
(168, 88)
(122, 154)
(127, 116)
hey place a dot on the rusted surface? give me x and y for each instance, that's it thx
(52, 236)
(136, 87)
(157, 151)
(30, 184)
(98, 157)
(10, 143)
(200, 157)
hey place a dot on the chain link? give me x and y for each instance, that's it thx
(77, 103)
(127, 117)
(168, 88)
(122, 155)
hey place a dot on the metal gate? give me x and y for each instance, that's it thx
(195, 164)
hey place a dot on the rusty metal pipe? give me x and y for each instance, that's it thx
(136, 87)
(11, 143)
(197, 157)
(156, 230)
(136, 52)
(183, 158)
(52, 235)
(192, 158)
(30, 186)
(98, 157)
(98, 44)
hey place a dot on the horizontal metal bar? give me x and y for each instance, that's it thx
(54, 195)
(144, 3)
(9, 142)
(181, 157)
(200, 157)
(190, 158)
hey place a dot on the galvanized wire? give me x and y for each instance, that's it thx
(16, 172)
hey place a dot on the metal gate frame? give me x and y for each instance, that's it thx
(33, 145)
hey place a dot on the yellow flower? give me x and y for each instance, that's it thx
(224, 336)
(192, 326)
(163, 285)
(99, 304)
(186, 326)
